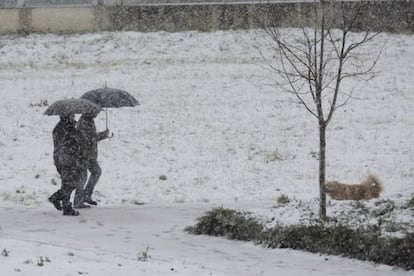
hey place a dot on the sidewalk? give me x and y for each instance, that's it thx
(147, 240)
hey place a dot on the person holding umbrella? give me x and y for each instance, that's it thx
(86, 125)
(104, 97)
(69, 152)
(70, 161)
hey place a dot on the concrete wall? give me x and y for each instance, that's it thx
(392, 16)
(55, 20)
(9, 20)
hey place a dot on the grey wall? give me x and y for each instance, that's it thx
(66, 16)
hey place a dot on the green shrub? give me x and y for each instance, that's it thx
(334, 240)
(227, 223)
(383, 207)
(363, 243)
(410, 203)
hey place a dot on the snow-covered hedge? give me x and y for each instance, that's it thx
(364, 243)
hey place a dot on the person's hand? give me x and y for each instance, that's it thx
(106, 133)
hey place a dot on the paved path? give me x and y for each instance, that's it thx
(120, 234)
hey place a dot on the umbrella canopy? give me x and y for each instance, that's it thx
(72, 106)
(110, 97)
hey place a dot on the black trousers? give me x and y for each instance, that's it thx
(96, 171)
(85, 192)
(71, 177)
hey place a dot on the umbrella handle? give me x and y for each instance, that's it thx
(106, 117)
(111, 135)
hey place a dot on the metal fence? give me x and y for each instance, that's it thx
(65, 16)
(82, 3)
(45, 3)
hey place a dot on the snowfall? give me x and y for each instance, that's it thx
(211, 131)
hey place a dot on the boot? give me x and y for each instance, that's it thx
(69, 211)
(56, 201)
(91, 202)
(80, 206)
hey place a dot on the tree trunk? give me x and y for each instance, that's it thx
(322, 148)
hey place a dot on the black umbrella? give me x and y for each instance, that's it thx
(72, 106)
(110, 97)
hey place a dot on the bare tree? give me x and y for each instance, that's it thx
(315, 58)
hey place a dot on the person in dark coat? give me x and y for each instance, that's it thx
(70, 161)
(86, 125)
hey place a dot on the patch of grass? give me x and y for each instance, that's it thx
(363, 243)
(20, 196)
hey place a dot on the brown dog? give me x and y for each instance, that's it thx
(370, 188)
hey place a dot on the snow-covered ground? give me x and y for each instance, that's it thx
(209, 122)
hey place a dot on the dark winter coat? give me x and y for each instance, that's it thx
(68, 144)
(86, 125)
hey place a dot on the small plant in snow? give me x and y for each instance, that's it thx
(6, 196)
(283, 199)
(54, 182)
(274, 156)
(20, 190)
(314, 154)
(42, 260)
(144, 255)
(39, 104)
(5, 253)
